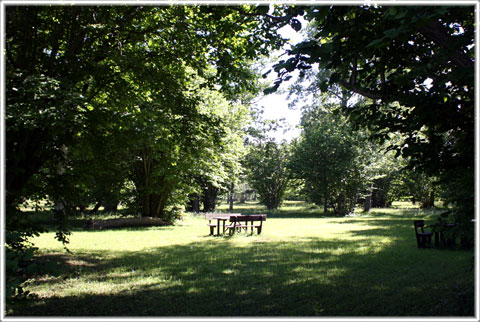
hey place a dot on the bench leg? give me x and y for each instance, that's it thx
(420, 243)
(212, 230)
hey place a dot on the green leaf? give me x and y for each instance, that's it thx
(295, 24)
(392, 33)
(378, 43)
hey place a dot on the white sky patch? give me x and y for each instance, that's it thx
(275, 105)
(428, 83)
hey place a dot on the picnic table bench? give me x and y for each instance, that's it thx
(237, 222)
(445, 234)
(216, 224)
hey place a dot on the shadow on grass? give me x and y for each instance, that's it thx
(364, 276)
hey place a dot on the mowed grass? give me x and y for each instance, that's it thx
(303, 264)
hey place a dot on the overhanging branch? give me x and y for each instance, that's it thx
(361, 91)
(436, 32)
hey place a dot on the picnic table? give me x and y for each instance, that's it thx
(237, 222)
(217, 217)
(444, 233)
(223, 219)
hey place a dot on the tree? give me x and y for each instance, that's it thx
(328, 158)
(68, 61)
(219, 164)
(266, 165)
(416, 66)
(417, 187)
(381, 167)
(66, 65)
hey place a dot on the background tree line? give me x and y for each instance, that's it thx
(336, 167)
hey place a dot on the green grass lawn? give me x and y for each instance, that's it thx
(303, 264)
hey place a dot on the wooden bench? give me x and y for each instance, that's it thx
(246, 221)
(423, 237)
(211, 215)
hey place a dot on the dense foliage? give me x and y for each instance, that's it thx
(328, 158)
(267, 171)
(71, 66)
(416, 67)
(106, 102)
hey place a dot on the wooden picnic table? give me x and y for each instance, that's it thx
(444, 233)
(222, 218)
(217, 217)
(237, 222)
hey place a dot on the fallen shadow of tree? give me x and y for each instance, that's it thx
(309, 277)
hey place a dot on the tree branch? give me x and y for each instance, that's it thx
(436, 32)
(361, 91)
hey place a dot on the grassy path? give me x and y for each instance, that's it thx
(353, 266)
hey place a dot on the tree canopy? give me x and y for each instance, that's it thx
(416, 67)
(68, 64)
(328, 156)
(110, 100)
(267, 171)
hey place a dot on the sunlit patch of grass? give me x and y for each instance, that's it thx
(362, 265)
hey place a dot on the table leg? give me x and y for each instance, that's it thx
(218, 227)
(224, 227)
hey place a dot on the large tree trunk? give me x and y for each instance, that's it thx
(60, 203)
(368, 199)
(379, 193)
(325, 195)
(193, 203)
(432, 198)
(97, 206)
(209, 197)
(110, 200)
(152, 203)
(25, 154)
(429, 201)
